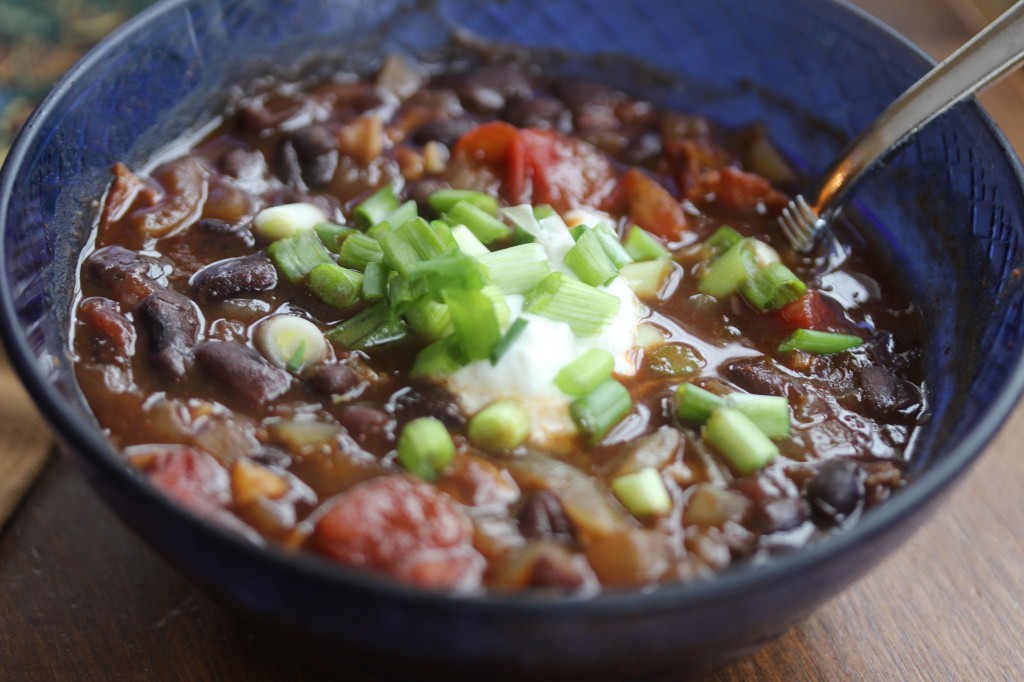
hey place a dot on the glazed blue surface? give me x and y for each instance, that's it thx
(950, 207)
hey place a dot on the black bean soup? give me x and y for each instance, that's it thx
(476, 329)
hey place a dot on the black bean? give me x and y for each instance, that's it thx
(170, 323)
(242, 372)
(488, 88)
(243, 164)
(333, 379)
(762, 377)
(446, 131)
(316, 149)
(366, 424)
(126, 276)
(592, 104)
(882, 392)
(542, 516)
(220, 235)
(427, 400)
(539, 112)
(784, 514)
(837, 490)
(235, 277)
(642, 148)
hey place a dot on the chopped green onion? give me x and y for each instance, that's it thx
(429, 318)
(411, 243)
(507, 339)
(674, 360)
(695, 404)
(500, 426)
(444, 200)
(642, 245)
(724, 239)
(542, 211)
(475, 321)
(577, 232)
(401, 215)
(773, 286)
(583, 374)
(649, 336)
(821, 343)
(643, 493)
(521, 236)
(443, 232)
(612, 246)
(468, 243)
(450, 271)
(336, 286)
(485, 226)
(589, 261)
(729, 271)
(584, 308)
(333, 236)
(376, 207)
(286, 220)
(290, 342)
(375, 281)
(598, 411)
(379, 230)
(358, 250)
(739, 440)
(517, 269)
(440, 358)
(296, 256)
(374, 326)
(401, 291)
(501, 307)
(647, 278)
(768, 412)
(425, 447)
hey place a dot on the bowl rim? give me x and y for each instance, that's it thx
(67, 423)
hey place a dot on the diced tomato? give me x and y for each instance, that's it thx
(739, 190)
(189, 476)
(541, 166)
(811, 311)
(651, 206)
(402, 527)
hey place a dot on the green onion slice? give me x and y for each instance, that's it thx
(597, 412)
(499, 427)
(820, 343)
(583, 374)
(425, 447)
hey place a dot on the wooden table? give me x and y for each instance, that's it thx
(83, 599)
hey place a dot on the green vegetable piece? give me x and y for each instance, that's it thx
(772, 286)
(412, 243)
(643, 493)
(374, 326)
(695, 404)
(597, 412)
(402, 214)
(429, 318)
(440, 358)
(450, 271)
(769, 413)
(724, 239)
(375, 208)
(517, 269)
(444, 200)
(613, 248)
(507, 339)
(296, 361)
(739, 440)
(475, 321)
(589, 261)
(296, 256)
(585, 309)
(467, 242)
(333, 236)
(641, 245)
(425, 447)
(647, 279)
(359, 250)
(583, 374)
(482, 224)
(674, 360)
(375, 281)
(499, 427)
(336, 286)
(819, 343)
(729, 271)
(542, 211)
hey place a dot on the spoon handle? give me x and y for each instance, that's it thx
(988, 56)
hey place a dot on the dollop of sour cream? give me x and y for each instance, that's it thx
(527, 370)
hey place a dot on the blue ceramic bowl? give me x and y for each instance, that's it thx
(950, 208)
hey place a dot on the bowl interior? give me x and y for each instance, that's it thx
(950, 206)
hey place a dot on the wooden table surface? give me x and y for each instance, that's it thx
(81, 598)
